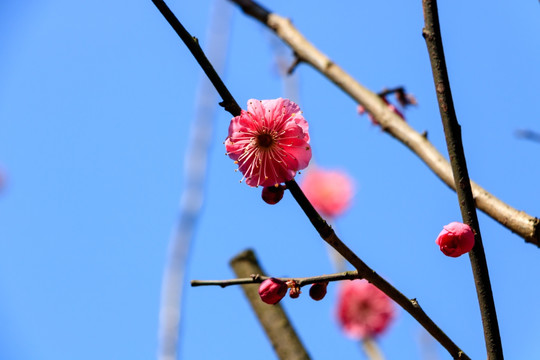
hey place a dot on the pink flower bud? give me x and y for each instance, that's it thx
(272, 290)
(317, 291)
(456, 239)
(273, 194)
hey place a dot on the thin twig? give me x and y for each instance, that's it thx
(328, 234)
(519, 222)
(452, 130)
(193, 45)
(257, 279)
(274, 320)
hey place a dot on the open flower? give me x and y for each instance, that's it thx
(363, 310)
(455, 239)
(269, 142)
(330, 191)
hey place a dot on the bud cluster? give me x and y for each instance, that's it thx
(272, 290)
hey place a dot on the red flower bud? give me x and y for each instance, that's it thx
(456, 239)
(294, 292)
(317, 291)
(273, 194)
(272, 290)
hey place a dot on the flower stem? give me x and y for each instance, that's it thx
(452, 130)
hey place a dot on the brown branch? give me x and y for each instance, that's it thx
(192, 43)
(272, 317)
(452, 131)
(519, 222)
(410, 305)
(257, 279)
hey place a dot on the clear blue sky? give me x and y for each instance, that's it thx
(96, 101)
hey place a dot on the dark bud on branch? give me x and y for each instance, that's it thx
(273, 194)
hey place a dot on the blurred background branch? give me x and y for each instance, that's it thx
(528, 135)
(192, 198)
(273, 318)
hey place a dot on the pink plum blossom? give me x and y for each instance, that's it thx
(363, 311)
(269, 142)
(329, 191)
(456, 239)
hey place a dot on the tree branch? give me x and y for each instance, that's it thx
(410, 305)
(519, 222)
(452, 130)
(273, 319)
(192, 43)
(257, 279)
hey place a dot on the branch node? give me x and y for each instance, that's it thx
(295, 63)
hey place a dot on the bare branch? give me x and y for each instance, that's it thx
(452, 130)
(257, 279)
(411, 306)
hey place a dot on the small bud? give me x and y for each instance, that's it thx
(317, 291)
(455, 239)
(272, 290)
(294, 292)
(273, 194)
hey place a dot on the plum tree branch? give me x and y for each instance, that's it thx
(452, 131)
(519, 222)
(258, 278)
(192, 43)
(410, 305)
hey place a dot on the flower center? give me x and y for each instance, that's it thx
(265, 140)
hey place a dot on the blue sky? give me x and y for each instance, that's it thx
(96, 102)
